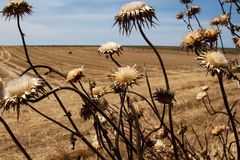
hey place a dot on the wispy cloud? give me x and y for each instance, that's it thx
(90, 22)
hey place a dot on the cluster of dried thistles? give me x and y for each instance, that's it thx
(223, 19)
(192, 39)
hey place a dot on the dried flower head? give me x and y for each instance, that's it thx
(75, 74)
(20, 90)
(110, 48)
(237, 42)
(205, 88)
(185, 1)
(98, 91)
(217, 130)
(211, 34)
(224, 19)
(201, 95)
(160, 146)
(182, 129)
(16, 8)
(164, 96)
(133, 13)
(192, 39)
(193, 11)
(86, 111)
(214, 61)
(180, 15)
(215, 21)
(125, 76)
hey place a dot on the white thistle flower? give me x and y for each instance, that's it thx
(110, 48)
(18, 91)
(75, 74)
(133, 13)
(126, 76)
(215, 62)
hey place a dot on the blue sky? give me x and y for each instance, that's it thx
(90, 22)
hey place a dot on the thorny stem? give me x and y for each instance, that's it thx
(157, 54)
(14, 138)
(231, 118)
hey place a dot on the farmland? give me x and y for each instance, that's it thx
(44, 140)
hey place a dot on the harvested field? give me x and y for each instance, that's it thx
(46, 141)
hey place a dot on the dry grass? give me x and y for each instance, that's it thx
(44, 140)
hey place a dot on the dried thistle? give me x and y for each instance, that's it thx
(192, 39)
(211, 34)
(185, 1)
(98, 91)
(16, 8)
(205, 88)
(180, 15)
(75, 74)
(215, 21)
(110, 48)
(224, 19)
(214, 61)
(201, 95)
(20, 90)
(217, 130)
(134, 13)
(237, 42)
(164, 96)
(193, 11)
(125, 76)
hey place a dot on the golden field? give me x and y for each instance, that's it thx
(45, 141)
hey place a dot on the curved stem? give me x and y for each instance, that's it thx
(157, 54)
(231, 118)
(14, 138)
(84, 97)
(24, 45)
(68, 129)
(115, 61)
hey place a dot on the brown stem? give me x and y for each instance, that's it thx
(172, 132)
(115, 61)
(157, 54)
(231, 118)
(14, 138)
(24, 45)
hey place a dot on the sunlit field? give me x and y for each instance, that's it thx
(44, 140)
